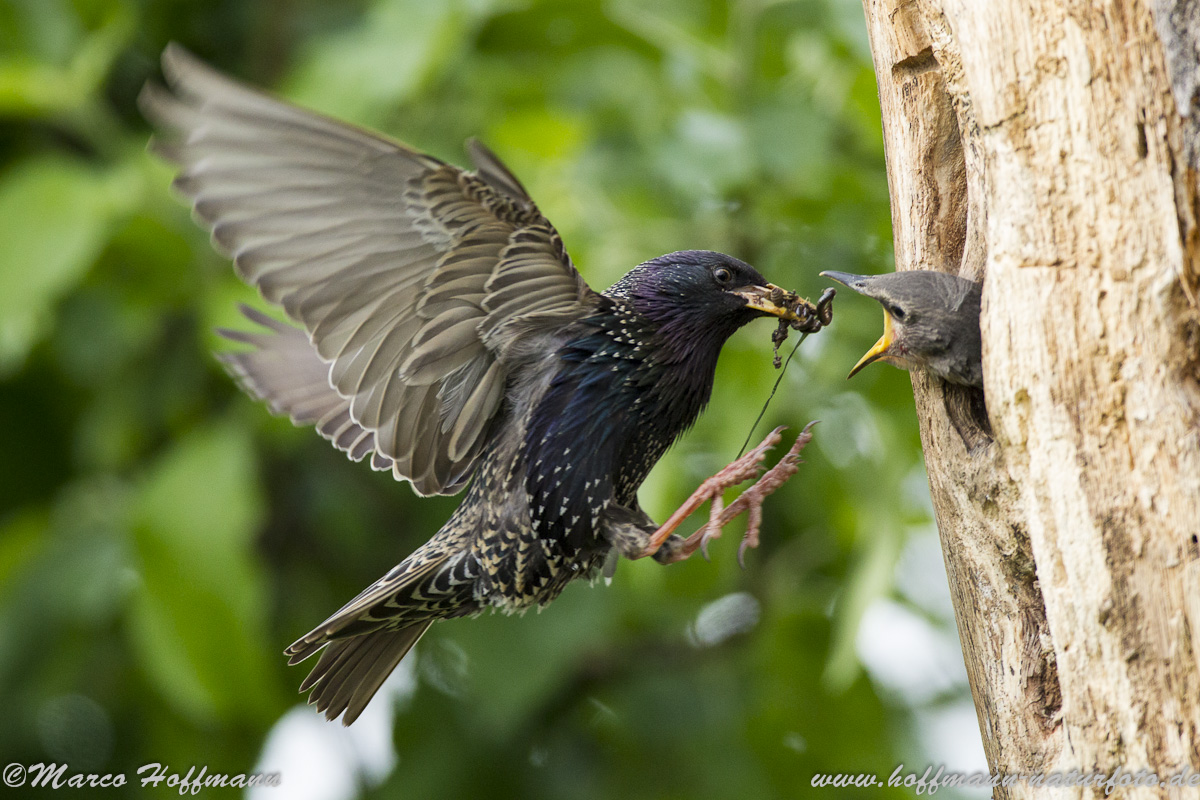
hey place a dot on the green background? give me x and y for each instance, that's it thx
(162, 538)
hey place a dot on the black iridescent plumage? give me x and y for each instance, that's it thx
(445, 332)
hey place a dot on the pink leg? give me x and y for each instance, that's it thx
(750, 501)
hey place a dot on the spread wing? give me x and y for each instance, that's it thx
(410, 277)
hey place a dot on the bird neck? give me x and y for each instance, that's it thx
(669, 358)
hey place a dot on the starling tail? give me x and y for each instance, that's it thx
(351, 670)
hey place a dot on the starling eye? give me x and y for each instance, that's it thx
(722, 275)
(897, 313)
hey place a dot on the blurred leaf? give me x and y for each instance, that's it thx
(45, 28)
(199, 618)
(90, 576)
(54, 218)
(708, 155)
(672, 28)
(870, 579)
(359, 73)
(544, 649)
(52, 222)
(22, 537)
(23, 542)
(33, 86)
(542, 132)
(794, 145)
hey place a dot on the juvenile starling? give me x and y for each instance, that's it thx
(930, 321)
(444, 332)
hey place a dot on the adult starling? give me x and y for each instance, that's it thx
(930, 322)
(445, 332)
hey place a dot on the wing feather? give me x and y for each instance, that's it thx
(284, 371)
(410, 277)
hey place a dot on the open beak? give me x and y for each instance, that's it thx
(771, 299)
(879, 349)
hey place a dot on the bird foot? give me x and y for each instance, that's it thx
(749, 502)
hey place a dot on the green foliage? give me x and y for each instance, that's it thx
(162, 538)
(198, 619)
(54, 213)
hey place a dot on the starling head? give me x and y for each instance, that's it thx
(930, 321)
(700, 297)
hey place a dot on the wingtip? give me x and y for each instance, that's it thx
(151, 95)
(474, 145)
(258, 317)
(176, 59)
(233, 335)
(175, 50)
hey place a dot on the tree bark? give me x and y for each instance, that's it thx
(1050, 150)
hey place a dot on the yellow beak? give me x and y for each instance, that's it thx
(879, 349)
(771, 299)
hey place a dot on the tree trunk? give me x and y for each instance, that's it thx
(1050, 149)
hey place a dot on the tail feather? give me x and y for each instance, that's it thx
(303, 648)
(329, 660)
(350, 671)
(365, 639)
(365, 674)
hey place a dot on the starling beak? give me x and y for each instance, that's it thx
(438, 327)
(930, 322)
(769, 299)
(879, 349)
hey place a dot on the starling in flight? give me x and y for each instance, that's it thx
(930, 322)
(443, 332)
